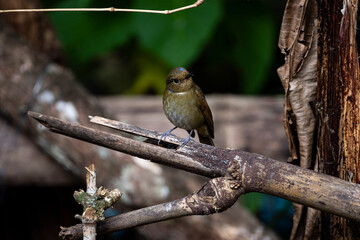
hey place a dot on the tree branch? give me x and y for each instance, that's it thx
(181, 159)
(253, 172)
(109, 9)
(216, 195)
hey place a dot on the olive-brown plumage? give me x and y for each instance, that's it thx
(185, 106)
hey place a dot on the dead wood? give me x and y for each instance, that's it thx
(298, 41)
(338, 105)
(249, 171)
(215, 196)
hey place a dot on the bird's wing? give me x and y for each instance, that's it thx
(205, 110)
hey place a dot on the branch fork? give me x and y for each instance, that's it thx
(233, 173)
(214, 196)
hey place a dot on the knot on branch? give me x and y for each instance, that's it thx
(95, 205)
(234, 174)
(216, 195)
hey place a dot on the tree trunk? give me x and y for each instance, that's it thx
(338, 105)
(34, 27)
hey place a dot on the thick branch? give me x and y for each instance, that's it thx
(255, 173)
(202, 166)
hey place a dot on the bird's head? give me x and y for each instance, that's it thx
(179, 80)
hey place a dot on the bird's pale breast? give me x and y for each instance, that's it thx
(182, 109)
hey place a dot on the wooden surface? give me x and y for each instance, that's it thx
(243, 171)
(338, 138)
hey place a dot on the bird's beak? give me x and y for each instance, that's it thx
(189, 75)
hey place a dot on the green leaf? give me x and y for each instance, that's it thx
(177, 38)
(88, 34)
(254, 51)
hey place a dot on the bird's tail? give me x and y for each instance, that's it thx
(206, 140)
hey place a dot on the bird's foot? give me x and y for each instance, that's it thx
(165, 134)
(186, 140)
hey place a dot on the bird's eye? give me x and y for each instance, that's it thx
(176, 81)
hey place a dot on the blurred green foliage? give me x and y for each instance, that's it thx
(176, 38)
(254, 50)
(252, 201)
(230, 45)
(86, 35)
(274, 212)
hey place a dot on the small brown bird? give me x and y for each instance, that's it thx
(184, 104)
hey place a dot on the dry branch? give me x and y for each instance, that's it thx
(216, 195)
(94, 201)
(108, 9)
(89, 216)
(254, 173)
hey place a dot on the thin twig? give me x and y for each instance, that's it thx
(92, 172)
(89, 220)
(109, 9)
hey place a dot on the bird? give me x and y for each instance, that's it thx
(185, 106)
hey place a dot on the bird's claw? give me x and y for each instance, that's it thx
(165, 134)
(186, 140)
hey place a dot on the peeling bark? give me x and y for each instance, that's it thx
(338, 105)
(298, 41)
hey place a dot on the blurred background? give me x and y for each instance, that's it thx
(230, 46)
